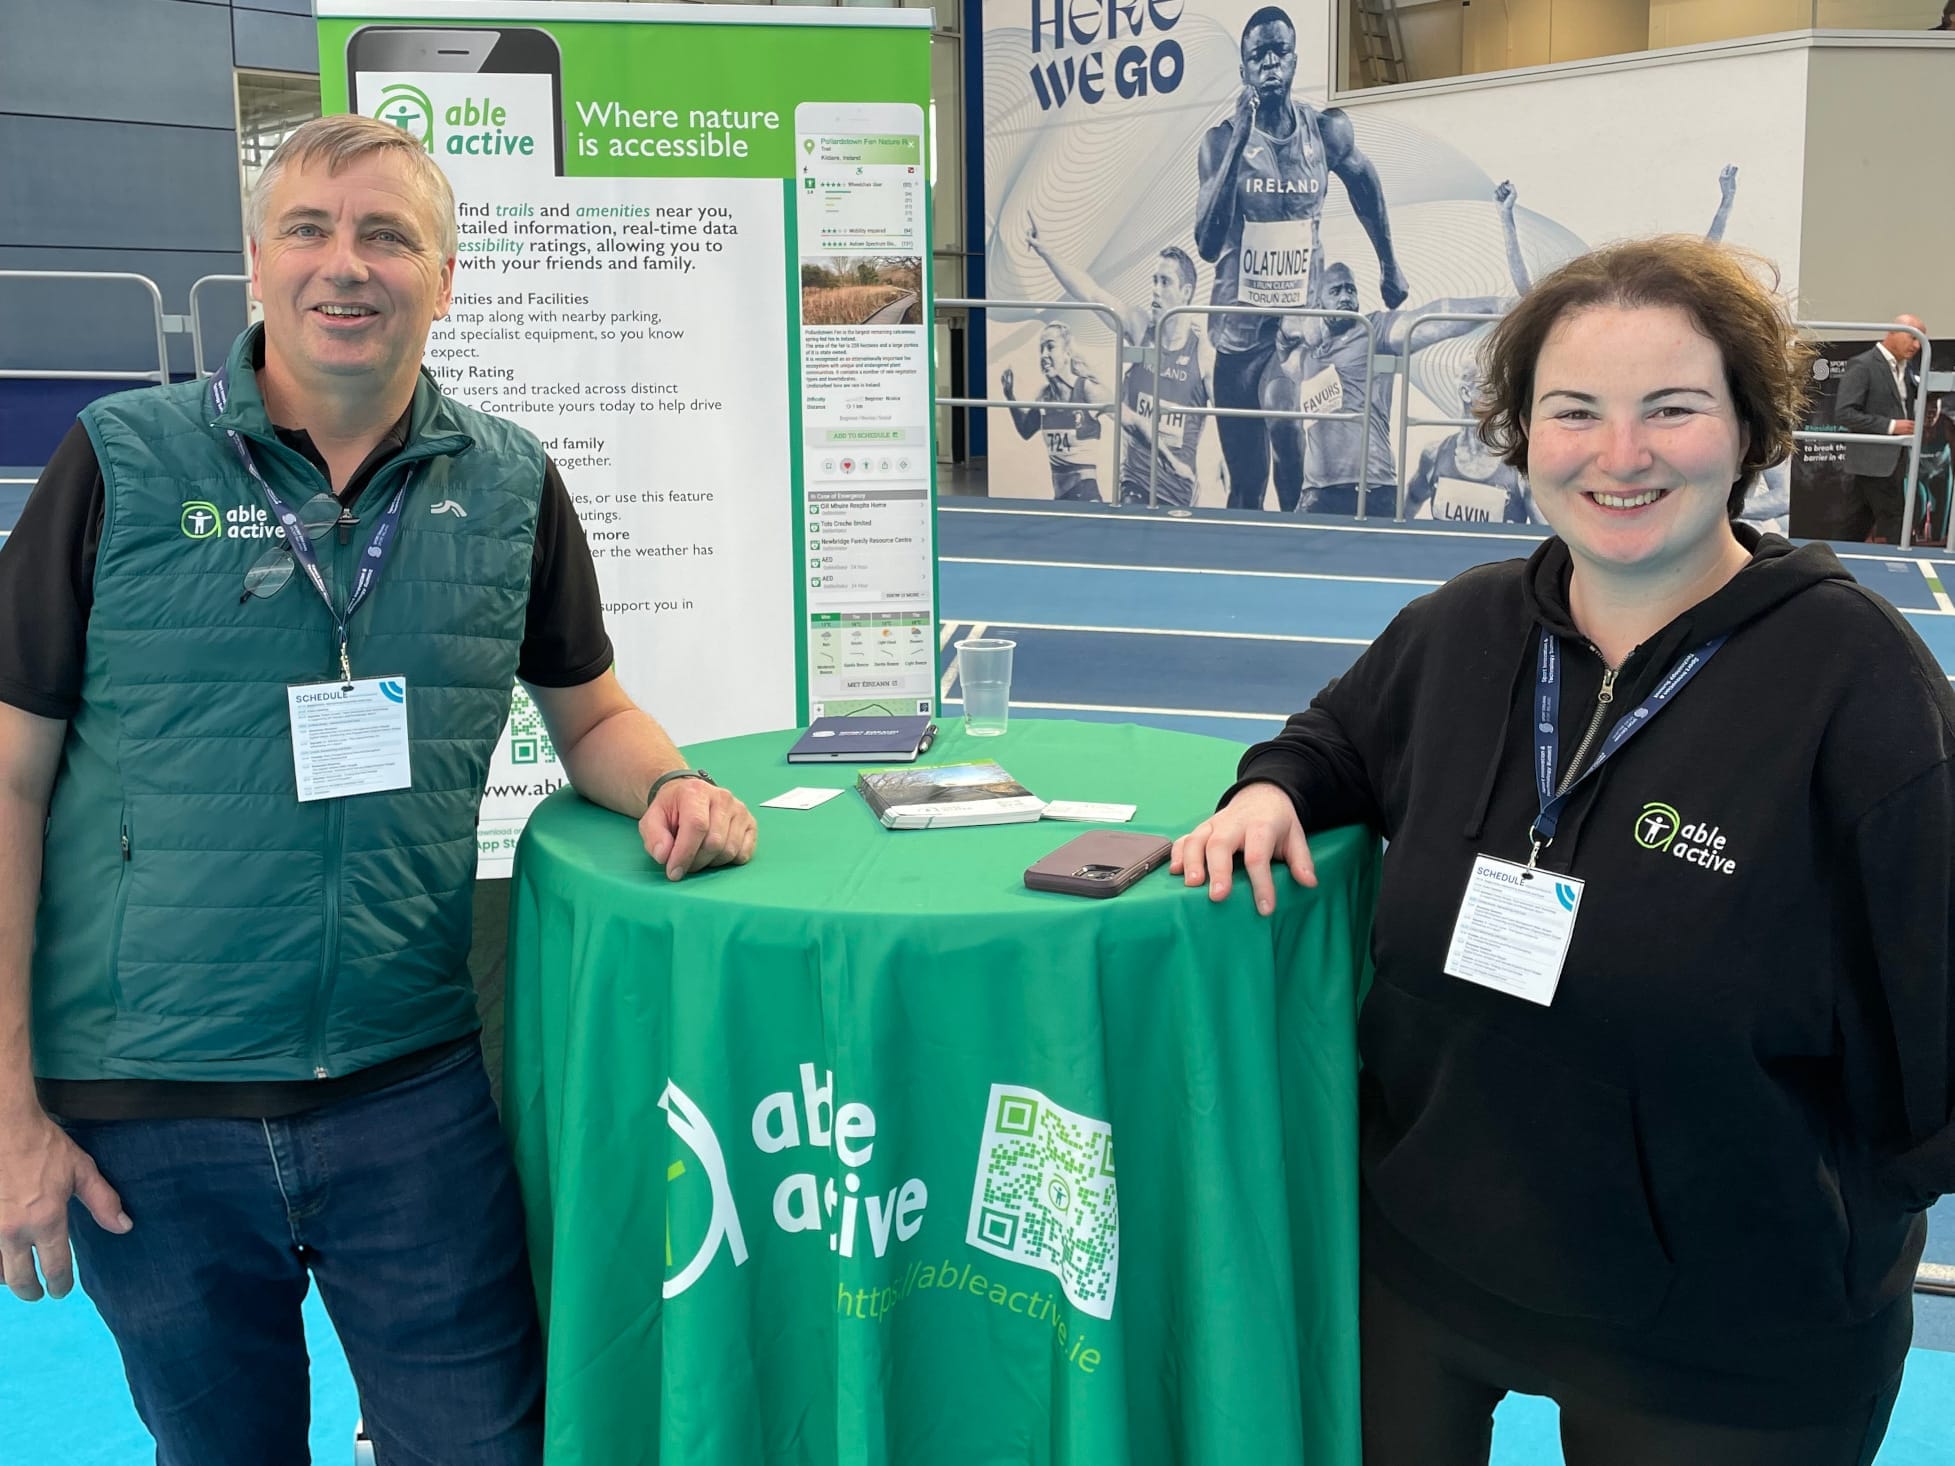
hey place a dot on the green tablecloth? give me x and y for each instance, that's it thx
(877, 1220)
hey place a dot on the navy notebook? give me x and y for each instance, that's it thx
(865, 738)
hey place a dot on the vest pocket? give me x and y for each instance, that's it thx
(119, 911)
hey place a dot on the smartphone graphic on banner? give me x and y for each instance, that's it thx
(861, 193)
(474, 95)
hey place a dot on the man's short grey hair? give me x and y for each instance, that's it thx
(340, 141)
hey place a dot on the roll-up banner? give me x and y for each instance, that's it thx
(694, 260)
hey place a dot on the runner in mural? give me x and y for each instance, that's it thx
(1143, 401)
(1069, 433)
(1319, 366)
(1937, 481)
(1263, 174)
(1459, 478)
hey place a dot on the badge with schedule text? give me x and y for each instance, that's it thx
(1513, 929)
(349, 737)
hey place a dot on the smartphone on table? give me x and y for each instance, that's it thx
(1099, 863)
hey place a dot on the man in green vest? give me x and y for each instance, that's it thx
(265, 631)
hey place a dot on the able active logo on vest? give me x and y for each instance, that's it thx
(1660, 828)
(1043, 1197)
(203, 520)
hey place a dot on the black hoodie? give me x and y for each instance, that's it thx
(1692, 1184)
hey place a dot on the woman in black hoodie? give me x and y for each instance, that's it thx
(1659, 1056)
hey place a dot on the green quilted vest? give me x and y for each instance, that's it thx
(196, 921)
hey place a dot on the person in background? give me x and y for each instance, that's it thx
(238, 1041)
(1658, 1062)
(1877, 392)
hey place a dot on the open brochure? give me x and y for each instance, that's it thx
(926, 796)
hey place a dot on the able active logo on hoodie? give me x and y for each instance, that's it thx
(1660, 828)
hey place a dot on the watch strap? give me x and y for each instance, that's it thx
(668, 777)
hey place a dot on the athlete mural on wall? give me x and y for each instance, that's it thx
(1152, 156)
(1258, 220)
(1148, 407)
(1319, 366)
(1459, 478)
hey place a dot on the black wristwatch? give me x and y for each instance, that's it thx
(663, 779)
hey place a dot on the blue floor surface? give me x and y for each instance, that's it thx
(63, 1400)
(1922, 1433)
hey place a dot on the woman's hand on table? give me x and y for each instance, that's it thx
(1260, 824)
(693, 825)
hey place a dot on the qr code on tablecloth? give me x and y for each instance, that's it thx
(1045, 1195)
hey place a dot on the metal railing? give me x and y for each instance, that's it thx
(1828, 435)
(1362, 413)
(197, 317)
(1098, 409)
(162, 373)
(163, 325)
(1387, 364)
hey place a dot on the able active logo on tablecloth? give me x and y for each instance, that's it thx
(1043, 1196)
(723, 1224)
(857, 1218)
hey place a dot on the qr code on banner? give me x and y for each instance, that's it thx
(529, 740)
(1045, 1197)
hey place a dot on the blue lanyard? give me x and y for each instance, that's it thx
(1547, 722)
(373, 559)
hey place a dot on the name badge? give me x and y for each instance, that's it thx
(349, 738)
(1275, 262)
(1513, 929)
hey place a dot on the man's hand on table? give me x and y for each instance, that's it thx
(693, 825)
(1261, 825)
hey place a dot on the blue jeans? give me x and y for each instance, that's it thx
(403, 1206)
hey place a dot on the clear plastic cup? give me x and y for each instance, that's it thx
(984, 678)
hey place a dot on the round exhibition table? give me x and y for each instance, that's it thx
(865, 1153)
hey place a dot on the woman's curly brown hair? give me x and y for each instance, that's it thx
(1724, 291)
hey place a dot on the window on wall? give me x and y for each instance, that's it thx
(270, 105)
(1385, 42)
